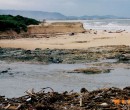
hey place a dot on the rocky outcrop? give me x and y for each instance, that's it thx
(92, 70)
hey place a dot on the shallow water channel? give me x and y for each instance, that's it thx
(19, 77)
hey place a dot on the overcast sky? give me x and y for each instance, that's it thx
(72, 7)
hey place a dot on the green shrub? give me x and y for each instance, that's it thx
(16, 23)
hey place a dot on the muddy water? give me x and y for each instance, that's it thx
(18, 77)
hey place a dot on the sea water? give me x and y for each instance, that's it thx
(17, 80)
(107, 24)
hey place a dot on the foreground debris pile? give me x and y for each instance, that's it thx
(103, 99)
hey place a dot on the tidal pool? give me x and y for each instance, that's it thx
(16, 78)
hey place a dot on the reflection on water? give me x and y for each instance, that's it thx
(20, 77)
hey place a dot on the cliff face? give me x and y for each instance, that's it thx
(9, 35)
(43, 29)
(57, 27)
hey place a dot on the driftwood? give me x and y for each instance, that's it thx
(102, 99)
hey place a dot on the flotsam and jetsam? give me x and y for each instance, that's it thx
(101, 99)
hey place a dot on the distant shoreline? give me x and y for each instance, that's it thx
(40, 15)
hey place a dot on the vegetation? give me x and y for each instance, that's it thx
(16, 23)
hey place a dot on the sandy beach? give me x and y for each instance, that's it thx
(66, 41)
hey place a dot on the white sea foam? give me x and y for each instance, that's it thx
(107, 24)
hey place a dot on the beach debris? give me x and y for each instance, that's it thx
(104, 104)
(83, 90)
(81, 100)
(30, 92)
(117, 31)
(101, 99)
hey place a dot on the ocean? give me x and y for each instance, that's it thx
(107, 24)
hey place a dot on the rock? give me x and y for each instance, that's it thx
(91, 70)
(1, 51)
(124, 57)
(5, 71)
(95, 32)
(28, 52)
(38, 49)
(72, 34)
(56, 60)
(66, 55)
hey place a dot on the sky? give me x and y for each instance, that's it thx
(72, 7)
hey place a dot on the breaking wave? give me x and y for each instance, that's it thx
(107, 24)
